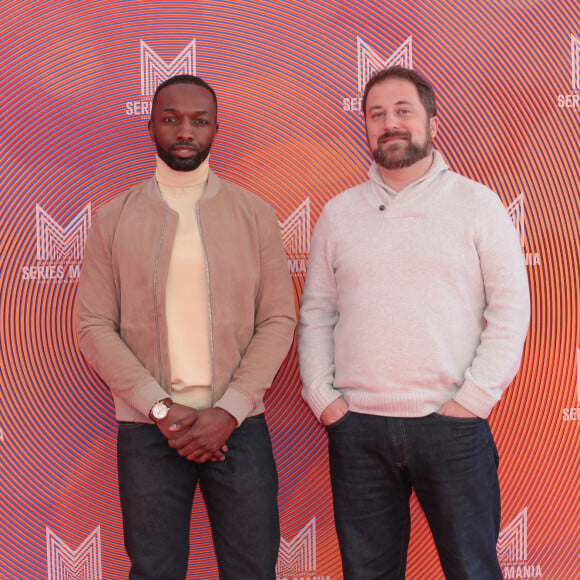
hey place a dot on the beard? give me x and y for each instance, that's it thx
(181, 164)
(403, 154)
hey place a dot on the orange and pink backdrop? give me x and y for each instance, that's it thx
(78, 77)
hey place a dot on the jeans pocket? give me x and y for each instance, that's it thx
(258, 419)
(338, 422)
(452, 419)
(130, 425)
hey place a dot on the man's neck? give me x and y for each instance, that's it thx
(180, 179)
(398, 179)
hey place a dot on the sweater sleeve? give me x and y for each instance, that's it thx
(318, 317)
(507, 312)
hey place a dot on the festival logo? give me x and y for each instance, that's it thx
(297, 558)
(59, 249)
(572, 101)
(573, 413)
(516, 210)
(66, 564)
(369, 62)
(296, 238)
(512, 549)
(517, 213)
(154, 70)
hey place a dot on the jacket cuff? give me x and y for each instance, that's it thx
(236, 404)
(146, 396)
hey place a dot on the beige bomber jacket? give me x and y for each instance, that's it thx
(120, 304)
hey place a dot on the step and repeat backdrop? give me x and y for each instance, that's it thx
(78, 80)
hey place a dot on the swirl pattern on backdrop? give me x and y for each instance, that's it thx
(286, 76)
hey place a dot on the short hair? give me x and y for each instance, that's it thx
(183, 80)
(425, 90)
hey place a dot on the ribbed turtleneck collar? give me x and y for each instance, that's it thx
(179, 179)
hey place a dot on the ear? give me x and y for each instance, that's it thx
(434, 126)
(151, 131)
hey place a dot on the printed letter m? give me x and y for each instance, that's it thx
(512, 544)
(369, 62)
(154, 70)
(84, 563)
(578, 374)
(575, 51)
(299, 555)
(54, 242)
(517, 213)
(296, 230)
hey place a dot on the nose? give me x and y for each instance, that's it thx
(186, 131)
(390, 121)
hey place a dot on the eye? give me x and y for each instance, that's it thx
(170, 119)
(201, 122)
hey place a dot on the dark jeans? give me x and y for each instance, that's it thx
(375, 462)
(157, 487)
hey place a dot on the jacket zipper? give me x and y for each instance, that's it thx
(208, 299)
(155, 299)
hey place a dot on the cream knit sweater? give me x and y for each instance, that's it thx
(413, 299)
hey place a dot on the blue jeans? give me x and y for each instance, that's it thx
(157, 487)
(375, 462)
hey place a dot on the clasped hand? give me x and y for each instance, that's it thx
(199, 436)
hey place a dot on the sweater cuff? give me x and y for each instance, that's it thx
(320, 398)
(146, 396)
(236, 404)
(475, 399)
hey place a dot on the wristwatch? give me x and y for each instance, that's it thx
(160, 410)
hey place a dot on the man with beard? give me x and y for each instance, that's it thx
(412, 324)
(186, 310)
